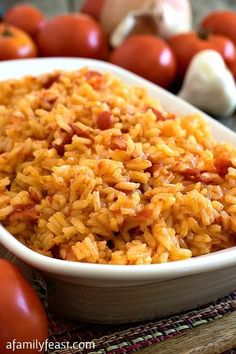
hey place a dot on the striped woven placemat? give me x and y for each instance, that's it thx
(130, 338)
(125, 338)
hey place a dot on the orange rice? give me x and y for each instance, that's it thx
(93, 170)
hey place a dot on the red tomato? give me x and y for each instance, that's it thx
(221, 22)
(147, 56)
(22, 316)
(72, 35)
(186, 45)
(93, 8)
(15, 44)
(26, 17)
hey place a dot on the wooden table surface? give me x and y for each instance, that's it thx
(214, 338)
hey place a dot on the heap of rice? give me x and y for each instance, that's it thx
(92, 170)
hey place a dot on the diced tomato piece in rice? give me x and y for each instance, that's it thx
(50, 81)
(160, 116)
(105, 120)
(222, 165)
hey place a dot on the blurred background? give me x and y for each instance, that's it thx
(52, 7)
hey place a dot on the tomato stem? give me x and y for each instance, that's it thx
(203, 33)
(7, 32)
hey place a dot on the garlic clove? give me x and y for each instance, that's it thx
(170, 20)
(136, 22)
(114, 11)
(209, 85)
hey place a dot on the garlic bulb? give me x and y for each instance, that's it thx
(209, 85)
(159, 17)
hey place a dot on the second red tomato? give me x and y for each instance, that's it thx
(147, 56)
(72, 35)
(221, 22)
(186, 45)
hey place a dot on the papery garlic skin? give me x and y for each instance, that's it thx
(171, 21)
(209, 85)
(168, 17)
(114, 11)
(123, 30)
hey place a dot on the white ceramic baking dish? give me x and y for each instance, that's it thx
(116, 293)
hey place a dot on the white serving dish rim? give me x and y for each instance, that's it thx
(152, 272)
